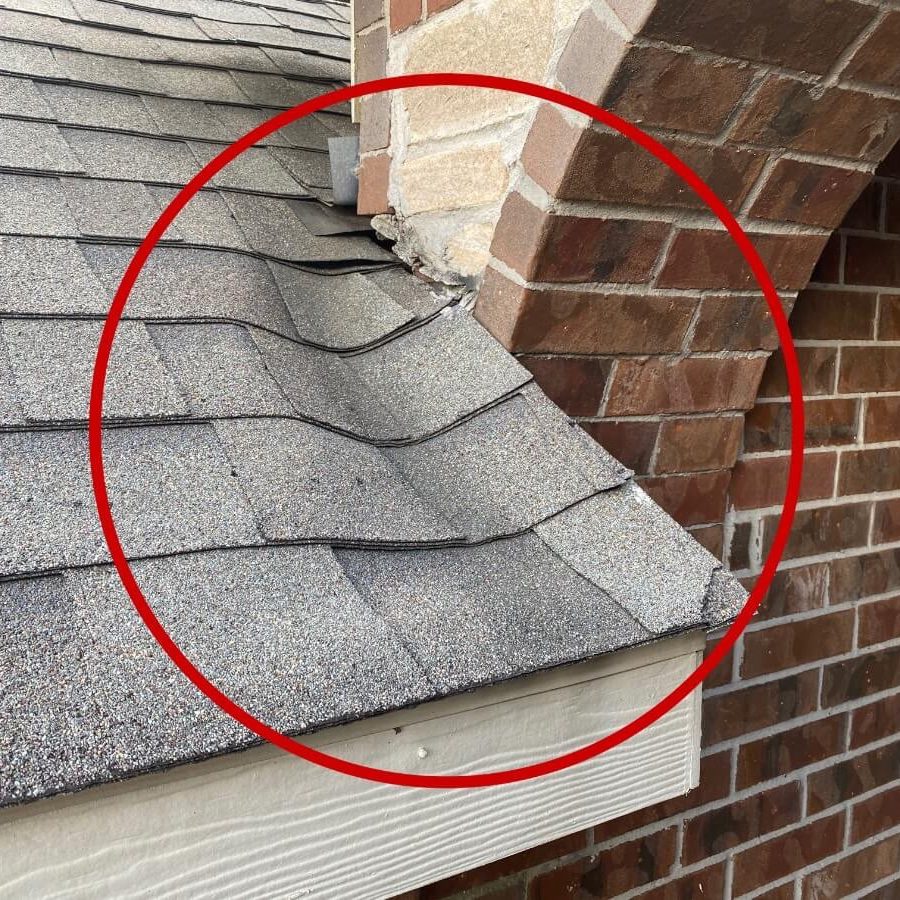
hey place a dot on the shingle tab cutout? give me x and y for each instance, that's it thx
(339, 494)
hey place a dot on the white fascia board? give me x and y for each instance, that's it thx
(264, 824)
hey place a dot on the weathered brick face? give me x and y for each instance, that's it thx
(628, 303)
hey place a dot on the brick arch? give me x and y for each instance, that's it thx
(622, 295)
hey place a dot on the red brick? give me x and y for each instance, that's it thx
(779, 857)
(666, 89)
(683, 385)
(875, 721)
(550, 321)
(374, 178)
(833, 316)
(610, 872)
(827, 529)
(878, 813)
(545, 247)
(590, 57)
(847, 875)
(807, 193)
(712, 537)
(889, 316)
(550, 146)
(631, 442)
(875, 469)
(709, 883)
(729, 826)
(436, 6)
(869, 369)
(704, 259)
(726, 716)
(374, 122)
(789, 113)
(504, 867)
(404, 13)
(715, 781)
(879, 621)
(861, 676)
(886, 525)
(797, 643)
(691, 499)
(699, 444)
(609, 168)
(761, 481)
(818, 366)
(865, 214)
(805, 35)
(877, 60)
(784, 752)
(574, 383)
(796, 590)
(882, 419)
(827, 423)
(872, 261)
(852, 777)
(734, 323)
(865, 575)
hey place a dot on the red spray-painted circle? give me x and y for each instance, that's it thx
(483, 779)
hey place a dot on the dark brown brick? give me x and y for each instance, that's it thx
(728, 826)
(879, 621)
(889, 316)
(659, 87)
(761, 481)
(374, 177)
(734, 323)
(704, 259)
(545, 247)
(890, 165)
(709, 883)
(889, 891)
(877, 60)
(803, 34)
(827, 529)
(691, 499)
(878, 813)
(892, 208)
(778, 754)
(875, 469)
(861, 676)
(818, 366)
(739, 551)
(797, 643)
(574, 383)
(607, 167)
(549, 321)
(851, 873)
(828, 268)
(807, 193)
(789, 113)
(833, 316)
(684, 385)
(852, 777)
(869, 369)
(865, 214)
(632, 443)
(698, 444)
(550, 146)
(610, 872)
(796, 590)
(886, 525)
(721, 674)
(779, 857)
(865, 575)
(875, 721)
(505, 867)
(403, 14)
(882, 419)
(872, 261)
(827, 423)
(726, 716)
(712, 537)
(715, 781)
(782, 892)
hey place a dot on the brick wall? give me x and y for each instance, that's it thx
(799, 792)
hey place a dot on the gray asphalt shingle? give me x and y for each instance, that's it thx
(73, 105)
(97, 69)
(255, 169)
(34, 205)
(205, 220)
(132, 158)
(35, 145)
(28, 59)
(20, 97)
(186, 118)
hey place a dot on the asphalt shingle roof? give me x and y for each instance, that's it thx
(340, 495)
